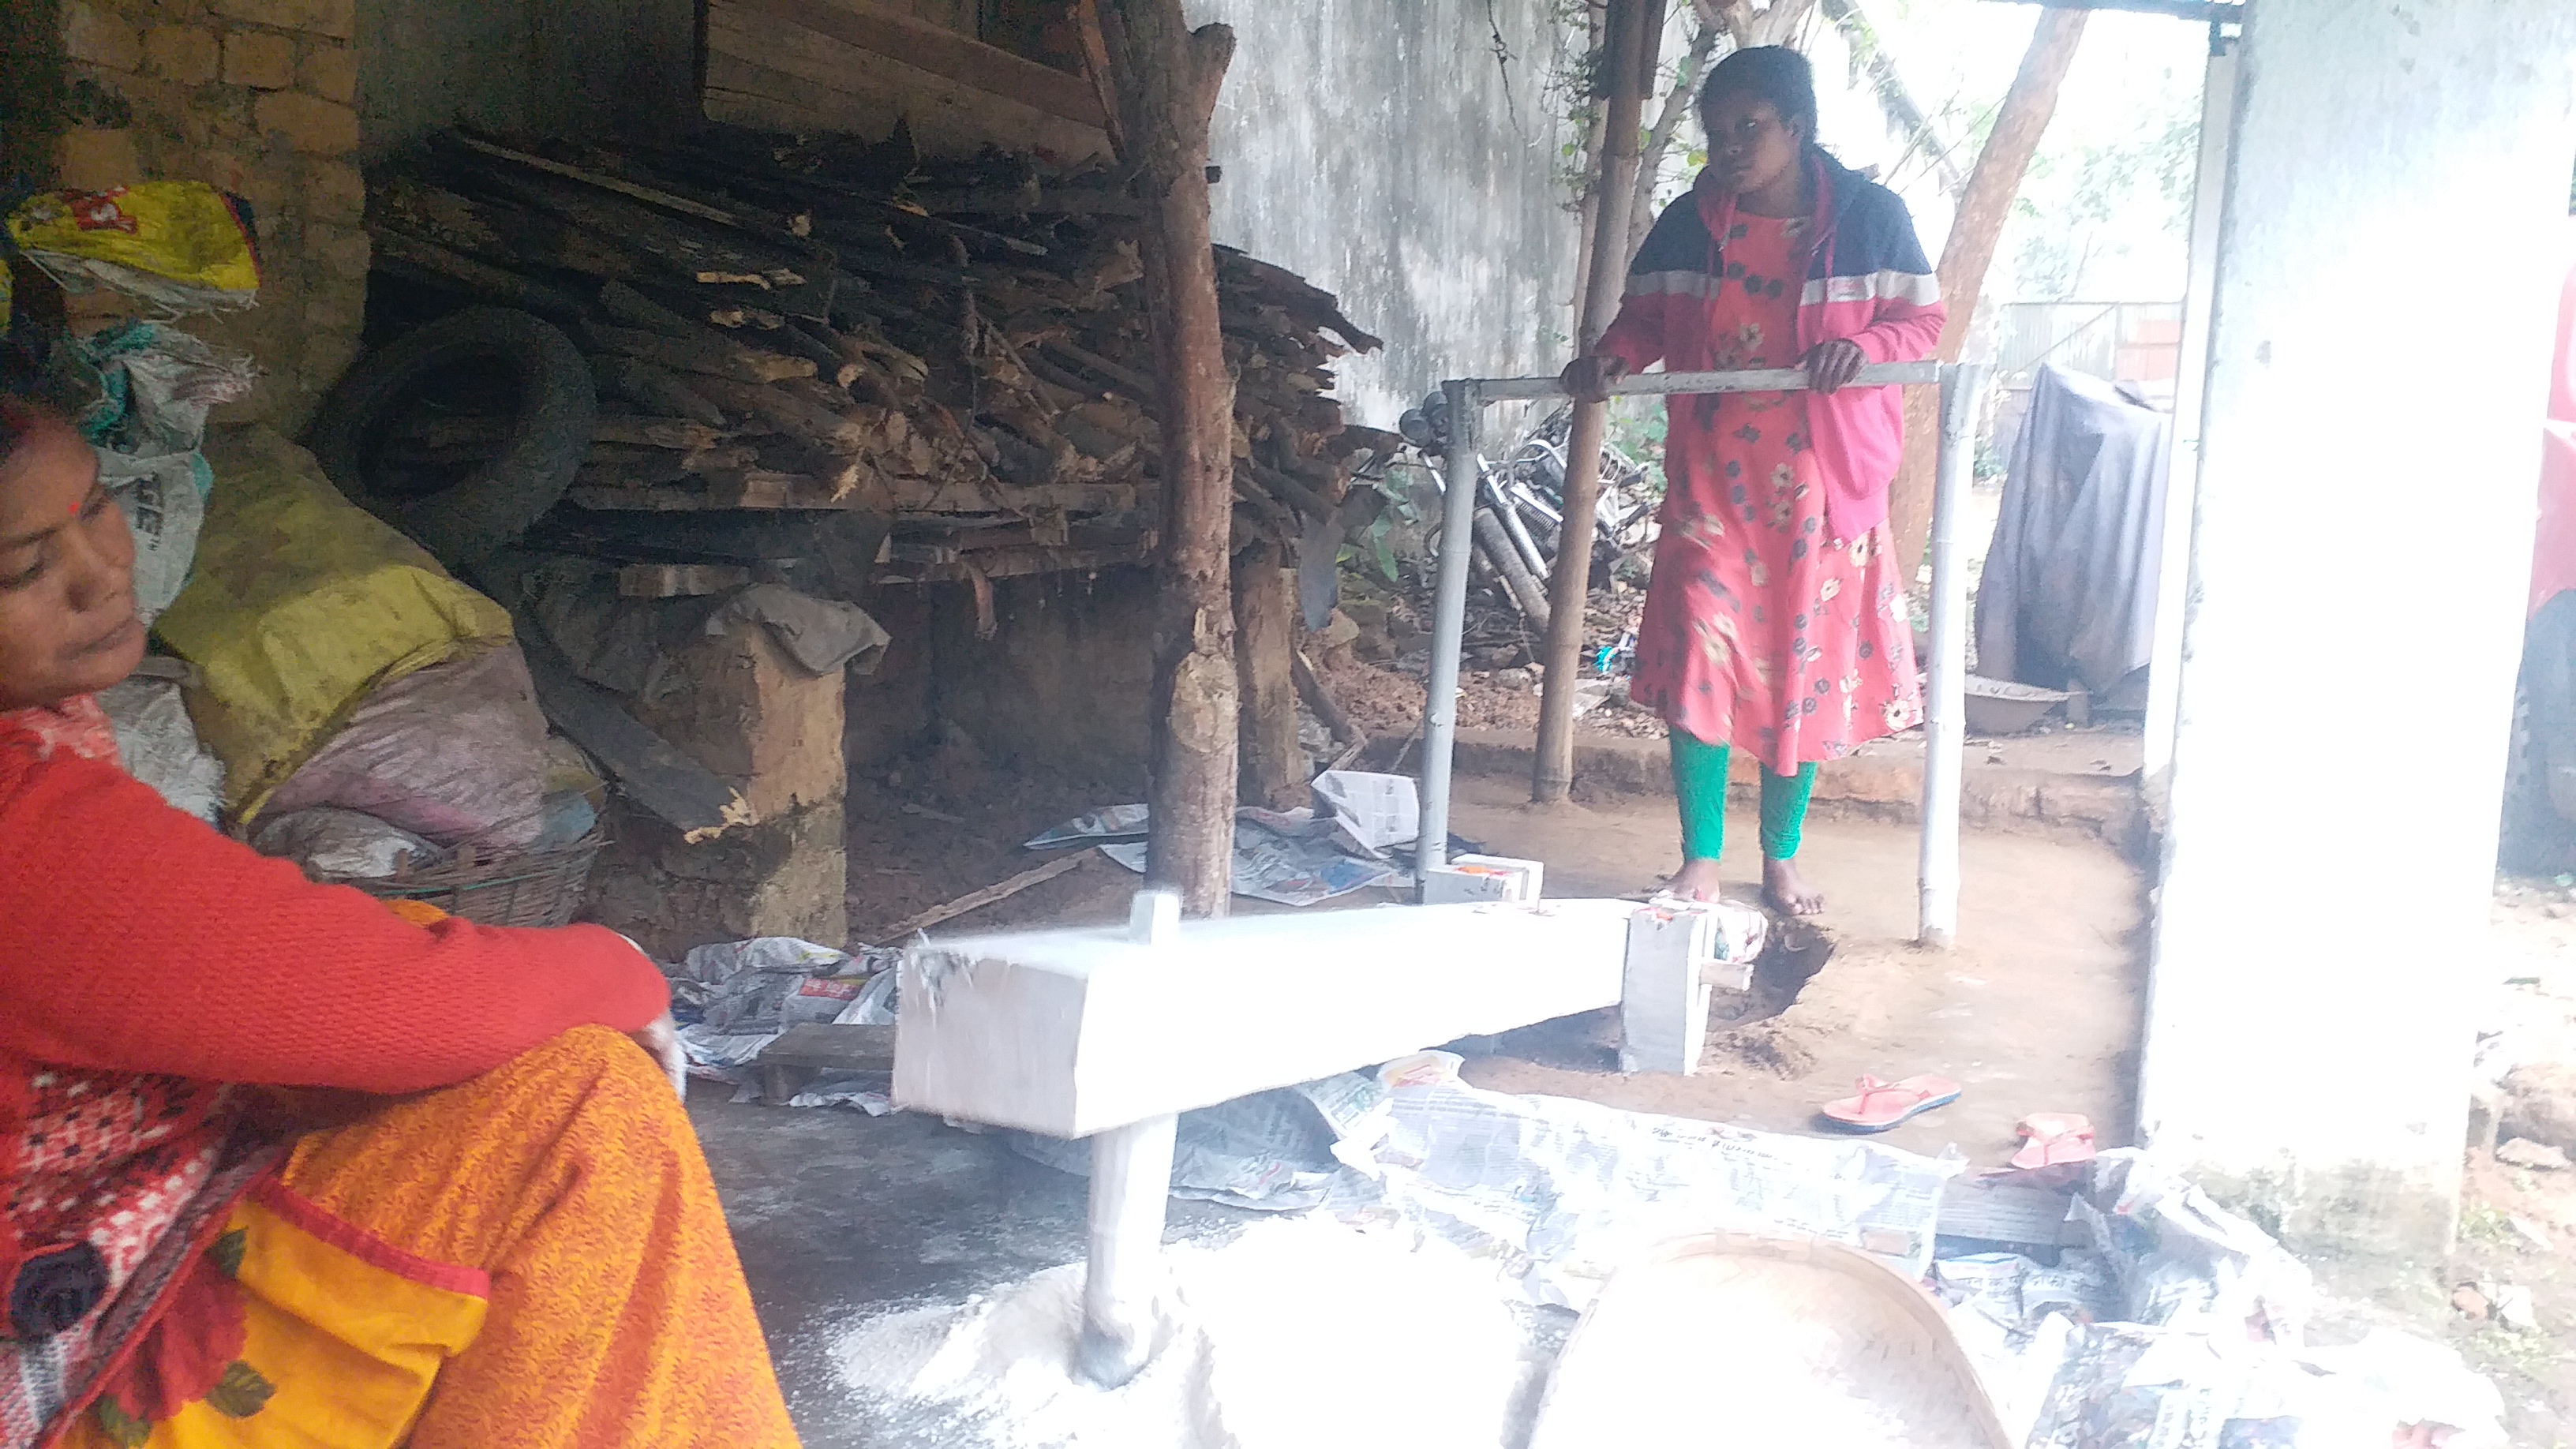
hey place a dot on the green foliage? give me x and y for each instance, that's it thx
(2076, 202)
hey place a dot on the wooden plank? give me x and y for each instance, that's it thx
(648, 769)
(938, 51)
(1005, 563)
(977, 900)
(828, 1046)
(762, 73)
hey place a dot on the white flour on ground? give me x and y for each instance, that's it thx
(1298, 1332)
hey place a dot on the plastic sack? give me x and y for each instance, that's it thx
(181, 246)
(158, 744)
(140, 394)
(453, 753)
(330, 842)
(302, 605)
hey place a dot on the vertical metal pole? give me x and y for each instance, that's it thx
(1963, 385)
(1449, 620)
(2191, 391)
(1131, 1175)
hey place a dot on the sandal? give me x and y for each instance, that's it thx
(1882, 1105)
(2052, 1139)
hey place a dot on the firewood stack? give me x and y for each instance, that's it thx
(774, 325)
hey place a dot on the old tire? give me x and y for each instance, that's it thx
(495, 505)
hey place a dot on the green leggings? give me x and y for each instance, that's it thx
(1699, 778)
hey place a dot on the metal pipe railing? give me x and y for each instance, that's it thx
(1448, 621)
(1945, 689)
(1962, 385)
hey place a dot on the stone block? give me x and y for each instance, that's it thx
(186, 53)
(259, 59)
(93, 158)
(309, 123)
(333, 190)
(331, 71)
(100, 37)
(335, 18)
(783, 877)
(738, 705)
(338, 251)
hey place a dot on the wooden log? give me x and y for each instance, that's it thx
(482, 279)
(705, 356)
(798, 416)
(635, 309)
(648, 386)
(749, 488)
(1005, 563)
(1274, 770)
(618, 429)
(830, 361)
(1310, 688)
(1166, 78)
(1137, 384)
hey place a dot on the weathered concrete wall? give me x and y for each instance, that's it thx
(553, 66)
(1383, 152)
(2322, 921)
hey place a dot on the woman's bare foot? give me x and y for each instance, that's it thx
(1695, 881)
(1787, 893)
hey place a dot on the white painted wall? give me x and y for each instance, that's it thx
(2378, 362)
(1381, 151)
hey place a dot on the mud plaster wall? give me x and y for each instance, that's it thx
(1384, 152)
(561, 67)
(1060, 689)
(2309, 1030)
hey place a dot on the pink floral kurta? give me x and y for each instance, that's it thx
(1761, 629)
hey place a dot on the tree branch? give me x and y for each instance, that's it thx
(1659, 140)
(1894, 100)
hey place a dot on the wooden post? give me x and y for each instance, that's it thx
(1274, 762)
(1165, 76)
(1634, 34)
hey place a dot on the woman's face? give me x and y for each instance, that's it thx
(1749, 146)
(67, 620)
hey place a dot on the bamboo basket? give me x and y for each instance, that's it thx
(524, 888)
(1735, 1338)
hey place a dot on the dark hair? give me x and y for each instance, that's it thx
(1773, 73)
(20, 417)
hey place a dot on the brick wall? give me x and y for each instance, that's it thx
(257, 97)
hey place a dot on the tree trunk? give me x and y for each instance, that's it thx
(1974, 232)
(1587, 195)
(1659, 141)
(1165, 77)
(1265, 606)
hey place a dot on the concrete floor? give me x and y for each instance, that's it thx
(839, 1216)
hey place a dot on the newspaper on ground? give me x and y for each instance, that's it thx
(1370, 813)
(736, 997)
(1113, 822)
(1270, 1151)
(1288, 856)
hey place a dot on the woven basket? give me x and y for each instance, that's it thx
(528, 888)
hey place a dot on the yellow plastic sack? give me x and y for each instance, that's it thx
(301, 604)
(179, 244)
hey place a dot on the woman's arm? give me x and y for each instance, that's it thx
(1906, 314)
(134, 938)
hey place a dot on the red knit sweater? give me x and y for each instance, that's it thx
(135, 938)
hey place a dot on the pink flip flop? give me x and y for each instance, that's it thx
(1882, 1105)
(2053, 1138)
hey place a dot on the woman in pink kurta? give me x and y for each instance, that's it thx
(1777, 618)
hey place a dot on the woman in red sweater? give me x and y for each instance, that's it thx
(510, 1239)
